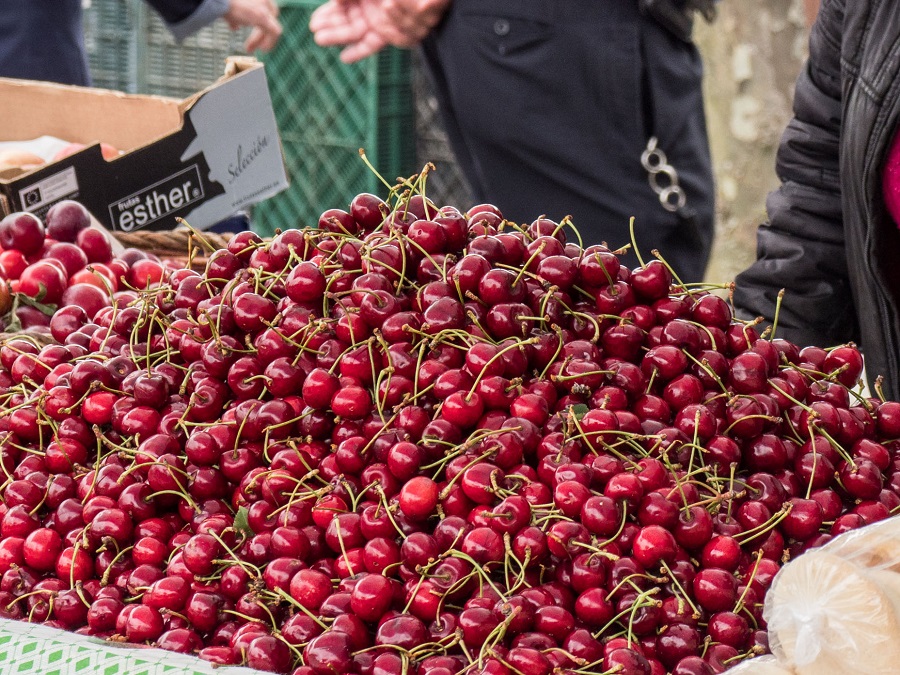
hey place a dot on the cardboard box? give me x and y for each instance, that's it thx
(201, 159)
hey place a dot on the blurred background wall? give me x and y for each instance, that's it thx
(753, 54)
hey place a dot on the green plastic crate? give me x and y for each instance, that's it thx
(326, 112)
(130, 49)
(110, 29)
(169, 68)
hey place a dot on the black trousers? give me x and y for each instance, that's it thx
(549, 104)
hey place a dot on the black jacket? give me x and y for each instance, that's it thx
(830, 242)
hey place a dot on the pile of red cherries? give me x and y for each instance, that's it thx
(419, 440)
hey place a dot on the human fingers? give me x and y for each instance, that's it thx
(261, 39)
(327, 14)
(372, 43)
(261, 15)
(412, 19)
(333, 24)
(341, 34)
(266, 34)
(387, 27)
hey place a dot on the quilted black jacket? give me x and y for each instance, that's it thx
(830, 242)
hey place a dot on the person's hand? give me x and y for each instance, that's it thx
(405, 23)
(364, 27)
(343, 23)
(262, 15)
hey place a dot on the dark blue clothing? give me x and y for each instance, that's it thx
(549, 104)
(43, 39)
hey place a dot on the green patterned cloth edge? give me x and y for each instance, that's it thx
(32, 649)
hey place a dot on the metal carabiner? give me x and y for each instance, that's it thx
(671, 196)
(667, 194)
(665, 170)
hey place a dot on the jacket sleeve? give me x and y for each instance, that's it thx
(185, 17)
(801, 248)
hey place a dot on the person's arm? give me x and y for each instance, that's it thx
(801, 249)
(186, 17)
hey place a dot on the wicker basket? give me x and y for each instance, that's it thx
(38, 337)
(181, 245)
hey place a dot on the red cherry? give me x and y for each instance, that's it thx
(23, 232)
(41, 549)
(419, 497)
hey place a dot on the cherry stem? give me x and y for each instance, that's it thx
(639, 603)
(384, 427)
(878, 388)
(704, 364)
(371, 168)
(450, 483)
(634, 245)
(684, 597)
(760, 416)
(740, 602)
(769, 524)
(80, 591)
(501, 352)
(387, 511)
(412, 596)
(778, 299)
(591, 319)
(679, 282)
(246, 566)
(482, 572)
(598, 436)
(630, 611)
(531, 258)
(621, 526)
(847, 457)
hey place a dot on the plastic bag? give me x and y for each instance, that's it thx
(875, 546)
(836, 609)
(825, 616)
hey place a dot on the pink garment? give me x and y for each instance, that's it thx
(890, 180)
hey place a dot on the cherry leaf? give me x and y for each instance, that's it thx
(45, 308)
(579, 410)
(242, 522)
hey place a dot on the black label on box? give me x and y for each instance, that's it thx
(157, 201)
